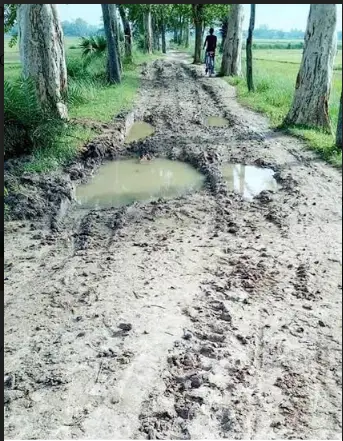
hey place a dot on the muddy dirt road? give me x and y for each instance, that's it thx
(207, 316)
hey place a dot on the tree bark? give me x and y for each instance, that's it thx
(180, 38)
(199, 23)
(115, 28)
(186, 33)
(250, 80)
(42, 54)
(155, 34)
(113, 65)
(339, 126)
(127, 33)
(224, 32)
(163, 35)
(312, 90)
(148, 30)
(232, 51)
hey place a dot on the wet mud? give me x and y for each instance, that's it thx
(202, 316)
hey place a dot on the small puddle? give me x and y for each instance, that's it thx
(248, 180)
(123, 182)
(139, 130)
(216, 121)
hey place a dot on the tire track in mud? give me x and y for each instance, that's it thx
(201, 317)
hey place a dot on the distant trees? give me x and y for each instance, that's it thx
(312, 90)
(127, 32)
(78, 28)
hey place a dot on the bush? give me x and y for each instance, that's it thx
(27, 126)
(81, 91)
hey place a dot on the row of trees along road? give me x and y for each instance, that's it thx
(43, 54)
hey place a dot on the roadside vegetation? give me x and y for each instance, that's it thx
(274, 89)
(99, 75)
(50, 141)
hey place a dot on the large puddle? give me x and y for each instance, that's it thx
(123, 182)
(216, 121)
(248, 180)
(139, 130)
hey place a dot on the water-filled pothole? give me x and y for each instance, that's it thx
(216, 121)
(123, 182)
(249, 180)
(139, 130)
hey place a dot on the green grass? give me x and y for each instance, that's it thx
(63, 150)
(274, 88)
(89, 98)
(292, 56)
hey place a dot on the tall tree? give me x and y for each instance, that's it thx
(42, 54)
(250, 80)
(113, 64)
(127, 33)
(115, 28)
(163, 32)
(232, 50)
(198, 17)
(312, 89)
(147, 29)
(339, 126)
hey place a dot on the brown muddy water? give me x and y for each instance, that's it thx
(216, 121)
(139, 130)
(123, 182)
(248, 180)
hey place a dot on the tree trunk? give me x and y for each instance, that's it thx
(224, 32)
(163, 35)
(115, 28)
(199, 22)
(155, 34)
(180, 38)
(312, 89)
(148, 31)
(113, 65)
(42, 54)
(339, 126)
(127, 34)
(186, 33)
(232, 51)
(175, 34)
(250, 80)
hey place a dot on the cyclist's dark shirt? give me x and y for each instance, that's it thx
(211, 41)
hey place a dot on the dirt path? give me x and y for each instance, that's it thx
(202, 317)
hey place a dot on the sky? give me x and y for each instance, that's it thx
(284, 17)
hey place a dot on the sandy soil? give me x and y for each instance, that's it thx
(202, 317)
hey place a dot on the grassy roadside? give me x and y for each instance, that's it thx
(274, 88)
(89, 98)
(275, 72)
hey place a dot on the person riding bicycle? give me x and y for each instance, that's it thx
(211, 45)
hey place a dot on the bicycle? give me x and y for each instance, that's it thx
(209, 61)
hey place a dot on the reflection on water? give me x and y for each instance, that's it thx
(121, 183)
(139, 130)
(216, 121)
(248, 180)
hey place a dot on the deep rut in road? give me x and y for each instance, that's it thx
(205, 316)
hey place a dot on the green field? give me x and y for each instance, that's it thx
(11, 54)
(292, 56)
